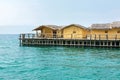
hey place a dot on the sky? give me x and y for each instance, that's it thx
(22, 16)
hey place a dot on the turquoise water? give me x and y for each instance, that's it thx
(56, 63)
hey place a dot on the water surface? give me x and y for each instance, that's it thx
(56, 63)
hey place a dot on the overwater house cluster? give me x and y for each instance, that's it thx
(76, 31)
(101, 35)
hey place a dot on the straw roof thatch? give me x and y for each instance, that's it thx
(54, 27)
(103, 26)
(77, 25)
(115, 24)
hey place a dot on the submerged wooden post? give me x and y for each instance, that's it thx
(20, 39)
(23, 36)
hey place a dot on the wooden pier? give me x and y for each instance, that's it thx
(89, 41)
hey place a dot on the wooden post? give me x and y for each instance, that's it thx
(71, 36)
(23, 36)
(28, 35)
(119, 44)
(20, 36)
(20, 39)
(99, 37)
(106, 36)
(116, 37)
(90, 36)
(75, 41)
(86, 37)
(111, 43)
(33, 35)
(36, 33)
(95, 36)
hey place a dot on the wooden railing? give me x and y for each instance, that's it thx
(28, 35)
(72, 36)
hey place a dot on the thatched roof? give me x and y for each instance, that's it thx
(101, 26)
(77, 25)
(54, 27)
(115, 24)
(104, 26)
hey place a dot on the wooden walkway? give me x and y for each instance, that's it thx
(33, 40)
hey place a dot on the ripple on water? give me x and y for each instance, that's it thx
(56, 63)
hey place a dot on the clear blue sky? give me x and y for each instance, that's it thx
(17, 16)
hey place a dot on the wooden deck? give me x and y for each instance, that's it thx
(89, 41)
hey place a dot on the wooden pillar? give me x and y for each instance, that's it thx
(65, 42)
(28, 35)
(115, 43)
(106, 36)
(110, 43)
(82, 43)
(90, 36)
(90, 43)
(70, 42)
(49, 41)
(87, 37)
(74, 42)
(78, 42)
(61, 42)
(36, 33)
(58, 41)
(44, 42)
(20, 39)
(94, 43)
(116, 37)
(95, 36)
(23, 36)
(39, 42)
(71, 36)
(119, 43)
(20, 36)
(53, 42)
(107, 43)
(100, 43)
(99, 37)
(103, 43)
(33, 35)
